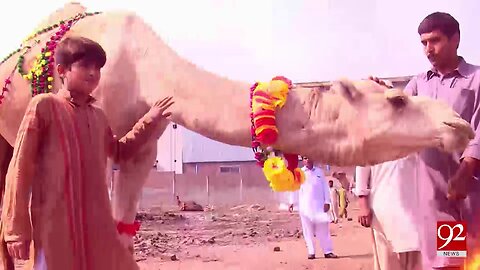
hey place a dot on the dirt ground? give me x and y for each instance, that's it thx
(243, 237)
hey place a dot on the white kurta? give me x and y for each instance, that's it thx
(313, 195)
(334, 205)
(394, 201)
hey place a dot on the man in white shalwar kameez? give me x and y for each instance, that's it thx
(333, 202)
(313, 205)
(390, 207)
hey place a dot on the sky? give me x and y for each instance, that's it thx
(310, 40)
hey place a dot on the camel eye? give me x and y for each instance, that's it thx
(398, 102)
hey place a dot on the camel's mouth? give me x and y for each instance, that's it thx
(456, 136)
(462, 127)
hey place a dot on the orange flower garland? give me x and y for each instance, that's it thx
(281, 170)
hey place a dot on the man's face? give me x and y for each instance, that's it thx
(438, 48)
(330, 183)
(308, 163)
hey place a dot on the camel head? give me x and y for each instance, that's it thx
(368, 120)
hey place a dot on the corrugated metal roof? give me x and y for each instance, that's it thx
(327, 84)
(197, 148)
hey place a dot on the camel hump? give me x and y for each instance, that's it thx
(68, 10)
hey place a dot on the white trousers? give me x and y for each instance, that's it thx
(318, 229)
(333, 212)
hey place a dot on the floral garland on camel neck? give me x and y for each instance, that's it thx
(280, 169)
(41, 74)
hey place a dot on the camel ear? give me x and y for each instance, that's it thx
(396, 96)
(346, 88)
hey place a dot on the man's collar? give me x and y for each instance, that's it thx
(461, 70)
(67, 95)
(307, 169)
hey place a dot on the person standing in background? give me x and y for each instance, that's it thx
(333, 193)
(313, 206)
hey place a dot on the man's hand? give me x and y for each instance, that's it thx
(290, 208)
(19, 250)
(365, 215)
(459, 183)
(381, 82)
(158, 110)
(326, 207)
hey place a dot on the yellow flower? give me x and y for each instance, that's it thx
(47, 54)
(280, 178)
(262, 86)
(278, 90)
(49, 86)
(50, 79)
(43, 62)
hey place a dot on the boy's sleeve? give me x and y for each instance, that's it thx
(124, 148)
(21, 170)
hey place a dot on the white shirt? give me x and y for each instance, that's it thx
(393, 199)
(313, 195)
(334, 196)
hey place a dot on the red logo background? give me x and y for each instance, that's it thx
(456, 231)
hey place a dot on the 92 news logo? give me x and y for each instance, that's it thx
(451, 239)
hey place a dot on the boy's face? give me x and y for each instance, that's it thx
(82, 76)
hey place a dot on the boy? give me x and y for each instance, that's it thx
(60, 159)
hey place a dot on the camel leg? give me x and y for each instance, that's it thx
(127, 187)
(6, 152)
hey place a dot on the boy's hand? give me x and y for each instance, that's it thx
(158, 109)
(19, 250)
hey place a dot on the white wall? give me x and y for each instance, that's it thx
(169, 149)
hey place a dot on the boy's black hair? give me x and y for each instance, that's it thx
(74, 49)
(440, 21)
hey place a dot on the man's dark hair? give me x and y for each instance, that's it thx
(74, 49)
(440, 21)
